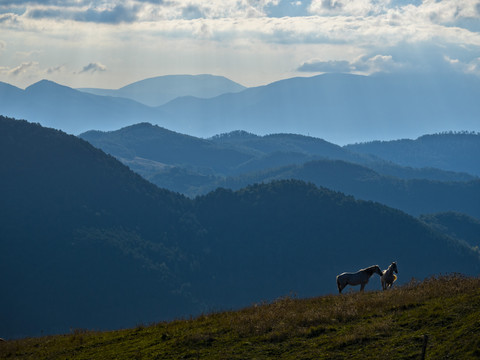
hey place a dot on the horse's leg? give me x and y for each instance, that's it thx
(362, 286)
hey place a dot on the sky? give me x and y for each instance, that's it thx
(109, 44)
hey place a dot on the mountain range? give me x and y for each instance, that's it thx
(234, 160)
(341, 108)
(162, 89)
(87, 243)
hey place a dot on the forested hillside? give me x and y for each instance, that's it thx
(450, 151)
(457, 225)
(194, 166)
(87, 243)
(414, 196)
(84, 241)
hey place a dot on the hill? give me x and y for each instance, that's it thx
(414, 196)
(159, 90)
(83, 240)
(72, 111)
(234, 160)
(372, 325)
(307, 148)
(146, 141)
(289, 236)
(147, 148)
(456, 225)
(448, 151)
(341, 108)
(87, 243)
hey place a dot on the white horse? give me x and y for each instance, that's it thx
(388, 277)
(360, 277)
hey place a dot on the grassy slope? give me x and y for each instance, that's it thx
(372, 325)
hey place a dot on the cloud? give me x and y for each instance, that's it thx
(108, 12)
(376, 63)
(288, 8)
(363, 36)
(93, 67)
(192, 12)
(5, 18)
(326, 66)
(114, 15)
(348, 7)
(470, 67)
(56, 69)
(22, 68)
(362, 64)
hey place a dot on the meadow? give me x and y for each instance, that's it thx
(388, 324)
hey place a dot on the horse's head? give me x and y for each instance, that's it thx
(394, 267)
(378, 270)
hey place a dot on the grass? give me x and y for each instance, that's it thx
(370, 325)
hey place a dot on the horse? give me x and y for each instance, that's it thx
(388, 277)
(360, 277)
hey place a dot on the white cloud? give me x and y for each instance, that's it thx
(444, 12)
(377, 63)
(55, 69)
(362, 64)
(315, 65)
(221, 36)
(93, 67)
(22, 68)
(470, 67)
(348, 7)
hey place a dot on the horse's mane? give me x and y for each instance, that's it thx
(370, 270)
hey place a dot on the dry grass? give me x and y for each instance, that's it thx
(370, 325)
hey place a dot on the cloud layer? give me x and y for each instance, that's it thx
(276, 38)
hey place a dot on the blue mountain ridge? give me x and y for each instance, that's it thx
(340, 108)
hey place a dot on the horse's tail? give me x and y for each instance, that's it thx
(394, 277)
(338, 285)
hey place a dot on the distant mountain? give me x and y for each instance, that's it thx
(73, 111)
(341, 108)
(87, 243)
(162, 89)
(448, 151)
